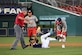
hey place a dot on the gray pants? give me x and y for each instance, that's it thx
(19, 36)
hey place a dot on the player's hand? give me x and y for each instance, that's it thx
(63, 30)
(27, 19)
(54, 29)
(22, 28)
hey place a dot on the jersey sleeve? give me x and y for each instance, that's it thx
(65, 25)
(26, 19)
(20, 15)
(37, 45)
(36, 19)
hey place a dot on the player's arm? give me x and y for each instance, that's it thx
(54, 26)
(21, 18)
(64, 29)
(26, 20)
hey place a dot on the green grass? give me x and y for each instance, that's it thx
(53, 50)
(69, 39)
(41, 51)
(74, 39)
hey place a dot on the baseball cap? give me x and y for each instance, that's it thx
(24, 9)
(29, 11)
(59, 19)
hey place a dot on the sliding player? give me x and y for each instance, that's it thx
(44, 40)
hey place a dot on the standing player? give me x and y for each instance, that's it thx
(19, 22)
(60, 27)
(31, 24)
(44, 40)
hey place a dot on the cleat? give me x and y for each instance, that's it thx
(51, 31)
(25, 46)
(12, 49)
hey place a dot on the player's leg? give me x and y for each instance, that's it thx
(44, 40)
(22, 40)
(29, 34)
(18, 35)
(34, 32)
(48, 39)
(63, 40)
(58, 33)
(64, 35)
(34, 29)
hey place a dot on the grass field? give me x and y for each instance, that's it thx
(53, 50)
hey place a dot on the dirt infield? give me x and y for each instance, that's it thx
(67, 44)
(52, 44)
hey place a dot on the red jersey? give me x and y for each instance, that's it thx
(19, 21)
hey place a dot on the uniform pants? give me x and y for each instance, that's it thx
(45, 40)
(19, 36)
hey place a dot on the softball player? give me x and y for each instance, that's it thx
(31, 24)
(44, 41)
(60, 27)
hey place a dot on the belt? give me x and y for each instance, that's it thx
(19, 25)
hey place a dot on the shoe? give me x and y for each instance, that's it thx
(25, 46)
(60, 40)
(51, 31)
(63, 46)
(12, 49)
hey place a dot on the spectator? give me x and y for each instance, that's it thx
(53, 3)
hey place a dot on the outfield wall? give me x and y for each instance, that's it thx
(7, 21)
(74, 21)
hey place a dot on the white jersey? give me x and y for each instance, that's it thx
(33, 19)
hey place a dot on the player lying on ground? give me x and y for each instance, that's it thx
(44, 41)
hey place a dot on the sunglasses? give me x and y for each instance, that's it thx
(29, 12)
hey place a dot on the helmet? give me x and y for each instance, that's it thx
(59, 19)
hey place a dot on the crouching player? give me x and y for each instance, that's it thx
(44, 40)
(60, 28)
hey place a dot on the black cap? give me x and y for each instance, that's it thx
(29, 10)
(59, 19)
